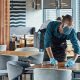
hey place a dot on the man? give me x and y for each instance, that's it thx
(55, 41)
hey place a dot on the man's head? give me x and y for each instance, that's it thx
(66, 26)
(67, 19)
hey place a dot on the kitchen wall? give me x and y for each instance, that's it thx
(34, 18)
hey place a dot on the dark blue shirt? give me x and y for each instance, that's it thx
(52, 29)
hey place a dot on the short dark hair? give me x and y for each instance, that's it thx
(58, 18)
(67, 17)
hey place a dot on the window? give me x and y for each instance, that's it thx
(51, 13)
(65, 11)
(51, 8)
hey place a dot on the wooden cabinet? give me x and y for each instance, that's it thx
(49, 4)
(65, 4)
(36, 4)
(53, 4)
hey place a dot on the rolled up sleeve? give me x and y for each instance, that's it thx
(48, 36)
(74, 41)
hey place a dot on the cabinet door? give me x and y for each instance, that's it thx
(37, 4)
(49, 4)
(65, 4)
(52, 4)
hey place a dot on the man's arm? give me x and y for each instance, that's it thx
(48, 40)
(49, 52)
(74, 41)
(75, 56)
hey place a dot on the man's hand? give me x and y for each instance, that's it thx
(70, 63)
(53, 61)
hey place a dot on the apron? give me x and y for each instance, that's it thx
(58, 48)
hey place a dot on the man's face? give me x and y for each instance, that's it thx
(61, 29)
(67, 25)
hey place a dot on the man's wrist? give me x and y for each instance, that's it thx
(51, 58)
(75, 57)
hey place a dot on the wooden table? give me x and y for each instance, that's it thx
(19, 53)
(60, 65)
(75, 69)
